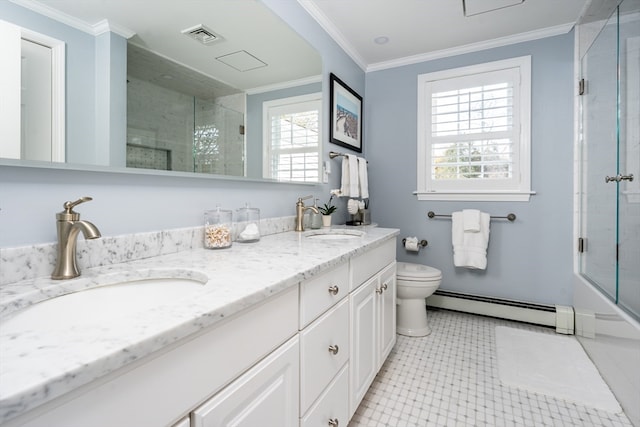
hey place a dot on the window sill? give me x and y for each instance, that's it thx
(475, 196)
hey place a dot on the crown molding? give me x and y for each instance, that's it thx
(333, 32)
(474, 47)
(284, 85)
(78, 24)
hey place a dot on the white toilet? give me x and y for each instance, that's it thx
(415, 282)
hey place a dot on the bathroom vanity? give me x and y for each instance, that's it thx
(287, 331)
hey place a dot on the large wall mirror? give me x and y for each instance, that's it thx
(178, 85)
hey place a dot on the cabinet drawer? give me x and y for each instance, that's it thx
(317, 295)
(332, 404)
(324, 349)
(366, 265)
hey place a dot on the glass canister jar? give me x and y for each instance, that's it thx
(247, 224)
(217, 228)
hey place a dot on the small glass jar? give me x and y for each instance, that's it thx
(247, 224)
(217, 228)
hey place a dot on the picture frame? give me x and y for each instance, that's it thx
(345, 113)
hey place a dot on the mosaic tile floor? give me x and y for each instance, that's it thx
(450, 378)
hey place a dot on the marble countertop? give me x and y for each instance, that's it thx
(36, 367)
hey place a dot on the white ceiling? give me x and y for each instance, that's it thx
(418, 30)
(157, 25)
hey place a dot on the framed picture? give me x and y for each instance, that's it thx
(346, 115)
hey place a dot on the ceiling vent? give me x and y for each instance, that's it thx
(202, 34)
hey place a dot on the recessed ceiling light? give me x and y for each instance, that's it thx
(381, 40)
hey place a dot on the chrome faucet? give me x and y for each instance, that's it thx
(300, 210)
(69, 225)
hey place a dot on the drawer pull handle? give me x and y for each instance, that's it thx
(333, 349)
(333, 290)
(382, 288)
(333, 422)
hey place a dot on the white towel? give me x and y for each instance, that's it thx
(349, 187)
(471, 220)
(470, 248)
(363, 178)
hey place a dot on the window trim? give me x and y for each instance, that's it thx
(315, 97)
(485, 190)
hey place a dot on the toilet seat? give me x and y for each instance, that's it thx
(417, 272)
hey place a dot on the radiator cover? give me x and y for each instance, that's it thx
(556, 316)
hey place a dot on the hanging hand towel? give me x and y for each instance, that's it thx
(470, 248)
(349, 186)
(363, 178)
(345, 185)
(471, 220)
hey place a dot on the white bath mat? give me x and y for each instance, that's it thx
(553, 365)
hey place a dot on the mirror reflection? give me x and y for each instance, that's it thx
(183, 89)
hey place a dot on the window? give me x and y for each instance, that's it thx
(474, 132)
(292, 138)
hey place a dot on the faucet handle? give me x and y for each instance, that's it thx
(69, 214)
(300, 199)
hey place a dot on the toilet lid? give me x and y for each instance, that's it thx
(411, 271)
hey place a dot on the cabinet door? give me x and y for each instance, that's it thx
(363, 363)
(267, 395)
(387, 313)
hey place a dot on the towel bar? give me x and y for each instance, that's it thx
(511, 217)
(334, 154)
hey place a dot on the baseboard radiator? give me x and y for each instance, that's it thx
(557, 316)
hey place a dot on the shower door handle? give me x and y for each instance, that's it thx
(618, 178)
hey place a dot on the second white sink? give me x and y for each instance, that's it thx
(334, 234)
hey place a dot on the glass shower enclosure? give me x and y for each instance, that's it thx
(609, 132)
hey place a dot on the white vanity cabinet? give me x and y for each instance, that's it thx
(373, 319)
(264, 396)
(166, 386)
(302, 357)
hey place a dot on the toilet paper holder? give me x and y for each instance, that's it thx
(422, 243)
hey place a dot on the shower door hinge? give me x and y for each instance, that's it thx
(582, 244)
(581, 86)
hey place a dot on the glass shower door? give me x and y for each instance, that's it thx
(599, 158)
(629, 159)
(610, 181)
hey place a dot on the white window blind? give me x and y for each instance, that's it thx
(473, 139)
(292, 129)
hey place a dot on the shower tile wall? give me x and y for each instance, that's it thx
(165, 114)
(166, 131)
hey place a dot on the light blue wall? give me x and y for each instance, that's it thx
(530, 259)
(126, 203)
(80, 82)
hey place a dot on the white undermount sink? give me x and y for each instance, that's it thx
(334, 234)
(102, 306)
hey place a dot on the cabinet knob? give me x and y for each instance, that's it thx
(333, 422)
(333, 290)
(333, 349)
(384, 286)
(379, 290)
